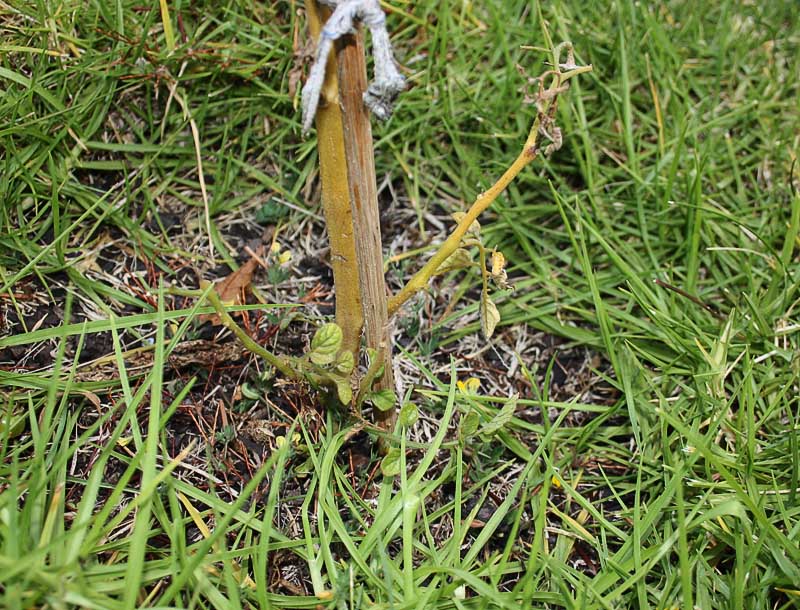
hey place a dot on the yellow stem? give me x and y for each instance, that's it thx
(451, 244)
(336, 198)
(529, 152)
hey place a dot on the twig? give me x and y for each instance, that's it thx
(543, 124)
(280, 363)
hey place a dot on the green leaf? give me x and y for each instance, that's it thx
(489, 315)
(346, 363)
(502, 419)
(343, 389)
(383, 399)
(408, 415)
(250, 392)
(304, 469)
(469, 425)
(326, 344)
(390, 464)
(271, 212)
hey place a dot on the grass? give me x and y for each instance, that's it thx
(661, 240)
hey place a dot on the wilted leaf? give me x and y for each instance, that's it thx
(489, 315)
(383, 399)
(474, 227)
(408, 415)
(457, 260)
(499, 275)
(390, 464)
(503, 417)
(326, 344)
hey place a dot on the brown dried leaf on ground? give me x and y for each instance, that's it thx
(232, 289)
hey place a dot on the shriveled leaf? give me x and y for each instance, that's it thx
(498, 262)
(457, 260)
(498, 272)
(502, 419)
(474, 227)
(232, 289)
(326, 344)
(344, 390)
(390, 464)
(383, 399)
(408, 415)
(469, 425)
(490, 316)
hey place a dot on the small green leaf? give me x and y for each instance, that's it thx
(250, 392)
(469, 425)
(390, 464)
(304, 469)
(344, 390)
(489, 315)
(383, 399)
(271, 212)
(346, 363)
(326, 344)
(502, 419)
(408, 415)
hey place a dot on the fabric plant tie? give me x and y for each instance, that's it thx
(387, 83)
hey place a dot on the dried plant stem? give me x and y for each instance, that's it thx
(364, 202)
(529, 152)
(336, 198)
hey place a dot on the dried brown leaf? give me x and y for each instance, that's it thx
(232, 289)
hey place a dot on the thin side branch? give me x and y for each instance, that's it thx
(544, 125)
(282, 364)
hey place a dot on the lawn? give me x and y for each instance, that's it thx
(628, 437)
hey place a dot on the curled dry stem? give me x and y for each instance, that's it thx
(544, 124)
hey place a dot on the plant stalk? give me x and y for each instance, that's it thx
(336, 198)
(364, 202)
(282, 364)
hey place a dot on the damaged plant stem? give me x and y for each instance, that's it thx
(338, 95)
